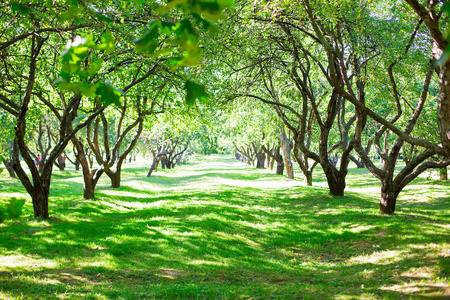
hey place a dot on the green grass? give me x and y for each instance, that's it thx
(218, 229)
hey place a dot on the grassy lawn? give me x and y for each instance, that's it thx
(216, 228)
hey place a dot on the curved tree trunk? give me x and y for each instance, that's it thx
(336, 181)
(358, 162)
(90, 177)
(286, 147)
(115, 177)
(302, 162)
(155, 163)
(280, 168)
(444, 106)
(388, 198)
(60, 163)
(308, 178)
(39, 198)
(165, 164)
(90, 182)
(88, 190)
(8, 166)
(260, 158)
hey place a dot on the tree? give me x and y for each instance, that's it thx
(435, 18)
(23, 53)
(110, 158)
(355, 93)
(31, 38)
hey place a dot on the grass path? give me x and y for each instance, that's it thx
(218, 229)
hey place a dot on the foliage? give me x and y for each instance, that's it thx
(13, 209)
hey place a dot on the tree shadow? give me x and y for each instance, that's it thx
(228, 243)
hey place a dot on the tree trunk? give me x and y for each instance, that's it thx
(443, 175)
(336, 181)
(89, 186)
(8, 166)
(115, 178)
(165, 163)
(358, 162)
(302, 162)
(60, 163)
(155, 163)
(260, 158)
(388, 198)
(308, 178)
(39, 198)
(91, 161)
(90, 177)
(280, 168)
(444, 106)
(286, 148)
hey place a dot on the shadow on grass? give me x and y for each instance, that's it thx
(228, 243)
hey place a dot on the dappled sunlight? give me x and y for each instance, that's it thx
(270, 184)
(424, 272)
(114, 206)
(206, 262)
(171, 273)
(15, 195)
(103, 260)
(20, 262)
(360, 228)
(229, 230)
(381, 257)
(432, 291)
(328, 211)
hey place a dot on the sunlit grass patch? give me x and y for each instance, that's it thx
(219, 229)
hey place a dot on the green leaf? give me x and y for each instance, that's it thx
(17, 7)
(96, 65)
(446, 6)
(108, 93)
(71, 14)
(101, 17)
(80, 51)
(187, 33)
(194, 91)
(148, 41)
(84, 88)
(167, 27)
(108, 43)
(71, 68)
(162, 52)
(14, 208)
